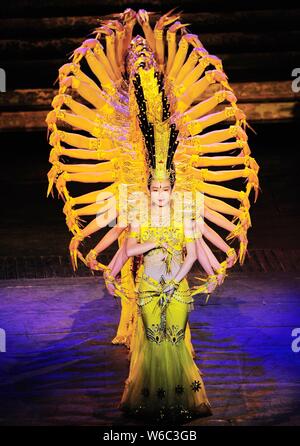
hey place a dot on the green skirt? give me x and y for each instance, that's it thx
(164, 382)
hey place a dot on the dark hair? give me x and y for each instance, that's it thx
(172, 177)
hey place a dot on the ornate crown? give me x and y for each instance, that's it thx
(159, 134)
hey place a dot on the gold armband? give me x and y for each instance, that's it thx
(230, 252)
(171, 36)
(229, 112)
(133, 234)
(190, 239)
(78, 237)
(209, 75)
(110, 38)
(108, 277)
(220, 95)
(158, 34)
(92, 254)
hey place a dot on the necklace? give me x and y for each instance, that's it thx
(161, 219)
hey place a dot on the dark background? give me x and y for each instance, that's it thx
(258, 42)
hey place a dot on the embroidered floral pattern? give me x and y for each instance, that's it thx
(175, 334)
(196, 386)
(155, 334)
(172, 235)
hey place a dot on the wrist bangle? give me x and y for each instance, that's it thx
(175, 283)
(78, 237)
(109, 279)
(230, 252)
(93, 253)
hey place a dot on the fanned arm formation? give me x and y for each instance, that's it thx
(96, 126)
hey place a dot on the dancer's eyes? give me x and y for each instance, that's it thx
(165, 190)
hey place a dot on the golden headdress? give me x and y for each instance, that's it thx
(159, 134)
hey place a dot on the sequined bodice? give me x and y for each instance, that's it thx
(156, 259)
(173, 235)
(172, 232)
(168, 256)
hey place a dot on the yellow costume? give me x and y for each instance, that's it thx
(141, 107)
(164, 383)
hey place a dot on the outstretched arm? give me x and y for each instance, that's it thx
(191, 255)
(189, 260)
(115, 266)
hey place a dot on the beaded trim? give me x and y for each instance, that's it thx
(178, 294)
(173, 334)
(177, 252)
(133, 234)
(176, 413)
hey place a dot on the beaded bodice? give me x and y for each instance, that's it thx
(173, 235)
(171, 240)
(172, 232)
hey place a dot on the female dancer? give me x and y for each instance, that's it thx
(164, 380)
(134, 113)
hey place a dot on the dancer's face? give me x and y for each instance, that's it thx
(160, 192)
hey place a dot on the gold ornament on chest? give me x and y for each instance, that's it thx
(169, 234)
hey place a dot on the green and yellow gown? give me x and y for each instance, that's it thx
(164, 382)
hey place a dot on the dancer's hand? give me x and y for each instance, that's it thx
(91, 259)
(169, 289)
(92, 263)
(211, 285)
(220, 278)
(164, 245)
(232, 258)
(109, 286)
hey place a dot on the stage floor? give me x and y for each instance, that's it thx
(60, 367)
